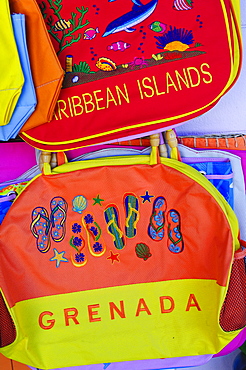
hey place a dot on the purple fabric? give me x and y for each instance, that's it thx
(16, 158)
(234, 344)
(239, 153)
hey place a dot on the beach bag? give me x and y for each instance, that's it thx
(12, 79)
(27, 101)
(108, 270)
(136, 67)
(46, 69)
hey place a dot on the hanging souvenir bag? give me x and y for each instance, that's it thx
(12, 78)
(134, 67)
(27, 101)
(46, 69)
(107, 270)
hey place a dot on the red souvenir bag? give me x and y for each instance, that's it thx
(177, 58)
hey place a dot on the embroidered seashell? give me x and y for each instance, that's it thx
(75, 79)
(176, 45)
(79, 203)
(142, 251)
(106, 64)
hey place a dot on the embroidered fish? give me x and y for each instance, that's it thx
(183, 4)
(61, 25)
(90, 33)
(158, 27)
(119, 45)
(127, 21)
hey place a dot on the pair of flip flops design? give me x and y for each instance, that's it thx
(111, 214)
(156, 226)
(95, 241)
(45, 226)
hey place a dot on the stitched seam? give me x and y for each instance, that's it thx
(47, 83)
(14, 88)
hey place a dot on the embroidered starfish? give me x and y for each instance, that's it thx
(146, 197)
(58, 257)
(97, 200)
(113, 257)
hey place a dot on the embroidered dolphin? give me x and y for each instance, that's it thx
(127, 21)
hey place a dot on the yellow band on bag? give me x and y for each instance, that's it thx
(149, 310)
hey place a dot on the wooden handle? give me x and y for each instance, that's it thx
(155, 140)
(53, 160)
(45, 157)
(171, 139)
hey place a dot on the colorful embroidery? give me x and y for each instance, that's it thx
(40, 228)
(79, 203)
(69, 28)
(132, 214)
(175, 239)
(96, 244)
(106, 64)
(111, 215)
(113, 257)
(127, 21)
(138, 62)
(97, 200)
(58, 257)
(58, 215)
(90, 33)
(146, 197)
(142, 251)
(76, 228)
(78, 257)
(157, 219)
(183, 4)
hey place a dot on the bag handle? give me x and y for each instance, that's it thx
(50, 160)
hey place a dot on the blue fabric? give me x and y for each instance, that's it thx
(27, 100)
(219, 173)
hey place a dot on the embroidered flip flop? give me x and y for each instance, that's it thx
(78, 255)
(58, 216)
(95, 240)
(77, 242)
(132, 214)
(112, 219)
(175, 238)
(157, 219)
(40, 228)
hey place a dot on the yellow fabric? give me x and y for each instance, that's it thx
(12, 78)
(94, 312)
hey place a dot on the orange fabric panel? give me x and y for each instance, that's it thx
(113, 190)
(19, 366)
(5, 363)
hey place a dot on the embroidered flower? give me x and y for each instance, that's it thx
(77, 241)
(79, 257)
(97, 247)
(76, 228)
(88, 219)
(94, 230)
